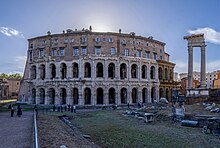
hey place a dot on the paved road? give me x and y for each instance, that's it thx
(16, 132)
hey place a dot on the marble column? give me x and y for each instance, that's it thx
(190, 67)
(203, 68)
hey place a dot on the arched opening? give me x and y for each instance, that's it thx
(33, 92)
(42, 96)
(52, 94)
(167, 93)
(123, 69)
(123, 96)
(153, 94)
(144, 72)
(53, 71)
(63, 95)
(87, 72)
(171, 74)
(33, 72)
(161, 93)
(166, 74)
(111, 70)
(63, 70)
(87, 93)
(111, 94)
(144, 95)
(134, 95)
(134, 71)
(152, 72)
(42, 71)
(75, 96)
(99, 96)
(75, 70)
(99, 70)
(160, 73)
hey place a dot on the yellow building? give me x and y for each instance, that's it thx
(216, 83)
(165, 75)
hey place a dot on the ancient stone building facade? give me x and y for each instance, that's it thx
(91, 68)
(4, 89)
(166, 78)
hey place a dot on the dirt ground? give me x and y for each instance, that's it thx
(53, 133)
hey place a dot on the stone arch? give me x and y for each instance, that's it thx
(123, 95)
(166, 74)
(33, 95)
(134, 95)
(111, 70)
(144, 95)
(152, 72)
(87, 70)
(134, 71)
(52, 94)
(75, 70)
(99, 70)
(75, 95)
(153, 94)
(123, 71)
(87, 93)
(42, 71)
(167, 93)
(42, 96)
(53, 71)
(63, 95)
(33, 72)
(99, 95)
(63, 70)
(111, 95)
(171, 74)
(144, 71)
(161, 93)
(160, 73)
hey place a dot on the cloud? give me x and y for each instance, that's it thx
(16, 65)
(211, 35)
(182, 67)
(11, 32)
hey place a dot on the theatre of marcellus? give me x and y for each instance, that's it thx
(83, 67)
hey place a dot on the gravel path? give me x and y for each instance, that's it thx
(16, 132)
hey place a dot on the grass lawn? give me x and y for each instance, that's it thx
(111, 129)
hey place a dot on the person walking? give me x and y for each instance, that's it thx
(19, 112)
(12, 111)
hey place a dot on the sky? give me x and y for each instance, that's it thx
(166, 20)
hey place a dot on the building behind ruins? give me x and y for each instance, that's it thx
(93, 68)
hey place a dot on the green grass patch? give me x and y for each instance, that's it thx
(111, 129)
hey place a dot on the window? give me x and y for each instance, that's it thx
(54, 52)
(97, 39)
(55, 40)
(61, 53)
(155, 56)
(98, 51)
(161, 58)
(110, 39)
(31, 45)
(161, 51)
(44, 42)
(113, 51)
(72, 40)
(84, 39)
(126, 52)
(103, 39)
(75, 51)
(147, 54)
(41, 53)
(84, 51)
(30, 55)
(139, 54)
(66, 40)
